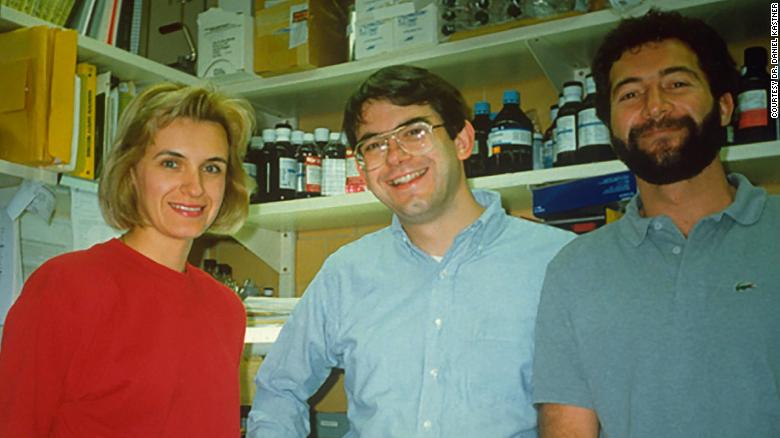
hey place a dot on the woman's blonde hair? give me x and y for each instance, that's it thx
(154, 109)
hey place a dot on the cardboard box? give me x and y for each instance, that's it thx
(299, 35)
(417, 29)
(224, 43)
(374, 37)
(400, 32)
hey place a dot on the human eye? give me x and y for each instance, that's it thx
(371, 146)
(414, 132)
(213, 168)
(169, 163)
(627, 95)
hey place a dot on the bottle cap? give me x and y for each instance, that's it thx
(296, 137)
(511, 96)
(334, 136)
(269, 135)
(283, 134)
(482, 107)
(572, 91)
(756, 56)
(256, 142)
(321, 134)
(308, 137)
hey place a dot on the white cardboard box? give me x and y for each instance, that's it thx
(417, 29)
(374, 37)
(224, 43)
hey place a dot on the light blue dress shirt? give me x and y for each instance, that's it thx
(440, 349)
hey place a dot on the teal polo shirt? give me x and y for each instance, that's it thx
(665, 336)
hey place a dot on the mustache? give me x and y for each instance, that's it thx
(665, 123)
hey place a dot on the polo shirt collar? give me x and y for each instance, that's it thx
(745, 209)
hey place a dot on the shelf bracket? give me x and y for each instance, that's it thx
(276, 249)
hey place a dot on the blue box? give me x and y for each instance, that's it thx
(331, 424)
(552, 200)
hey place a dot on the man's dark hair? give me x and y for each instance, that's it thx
(712, 52)
(404, 85)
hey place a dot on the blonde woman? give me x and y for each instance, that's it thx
(126, 338)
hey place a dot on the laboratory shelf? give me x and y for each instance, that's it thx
(555, 49)
(760, 162)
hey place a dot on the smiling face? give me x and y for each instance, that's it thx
(419, 189)
(665, 124)
(180, 180)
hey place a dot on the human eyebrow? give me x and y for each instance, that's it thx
(171, 153)
(623, 83)
(400, 125)
(680, 69)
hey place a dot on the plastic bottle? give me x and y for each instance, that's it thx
(566, 125)
(476, 164)
(283, 167)
(593, 142)
(334, 178)
(309, 175)
(754, 123)
(511, 137)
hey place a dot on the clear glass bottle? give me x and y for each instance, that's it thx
(334, 178)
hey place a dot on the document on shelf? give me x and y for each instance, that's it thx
(29, 196)
(89, 227)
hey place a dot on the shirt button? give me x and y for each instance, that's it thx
(676, 250)
(437, 322)
(427, 424)
(434, 373)
(443, 273)
(657, 225)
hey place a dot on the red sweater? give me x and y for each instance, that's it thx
(106, 342)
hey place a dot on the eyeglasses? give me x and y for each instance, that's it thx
(414, 139)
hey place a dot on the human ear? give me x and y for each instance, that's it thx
(464, 141)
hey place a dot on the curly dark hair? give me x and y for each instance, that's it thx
(710, 49)
(407, 85)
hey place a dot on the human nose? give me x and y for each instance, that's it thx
(192, 184)
(656, 104)
(395, 151)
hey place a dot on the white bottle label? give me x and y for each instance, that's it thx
(753, 109)
(313, 174)
(567, 140)
(288, 171)
(513, 136)
(334, 176)
(590, 129)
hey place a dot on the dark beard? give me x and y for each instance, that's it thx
(696, 152)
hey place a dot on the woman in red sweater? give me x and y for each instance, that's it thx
(127, 339)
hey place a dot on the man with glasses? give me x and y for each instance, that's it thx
(432, 317)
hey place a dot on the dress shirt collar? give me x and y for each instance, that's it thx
(485, 229)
